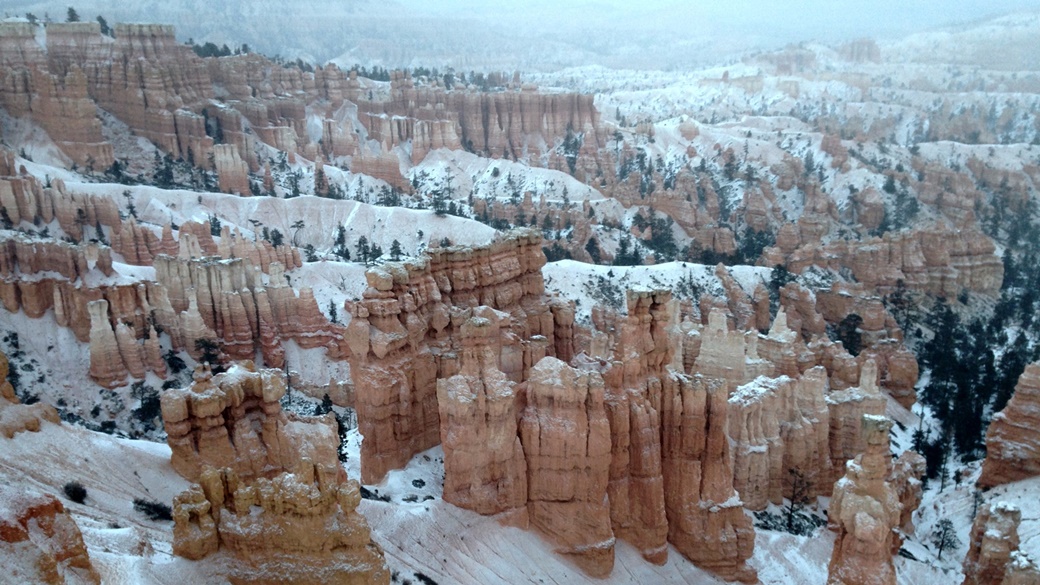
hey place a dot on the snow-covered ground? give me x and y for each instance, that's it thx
(419, 532)
(591, 284)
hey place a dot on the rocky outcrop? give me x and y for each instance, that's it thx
(566, 438)
(106, 364)
(234, 420)
(907, 478)
(58, 102)
(642, 348)
(939, 260)
(484, 466)
(779, 429)
(20, 254)
(706, 520)
(405, 333)
(24, 198)
(40, 542)
(301, 527)
(722, 352)
(16, 417)
(865, 511)
(1013, 438)
(847, 409)
(232, 171)
(993, 555)
(225, 300)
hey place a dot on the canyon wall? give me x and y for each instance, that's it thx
(404, 335)
(864, 511)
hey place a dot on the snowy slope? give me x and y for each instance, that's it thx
(591, 284)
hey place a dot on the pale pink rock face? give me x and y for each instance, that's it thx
(300, 527)
(410, 329)
(42, 542)
(865, 509)
(993, 556)
(1013, 438)
(234, 420)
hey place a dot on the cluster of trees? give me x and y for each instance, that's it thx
(662, 239)
(627, 254)
(209, 49)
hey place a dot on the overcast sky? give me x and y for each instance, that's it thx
(804, 19)
(542, 34)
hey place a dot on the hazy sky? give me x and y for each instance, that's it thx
(805, 19)
(529, 33)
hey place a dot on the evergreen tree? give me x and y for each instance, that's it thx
(340, 249)
(945, 536)
(849, 334)
(364, 252)
(296, 227)
(627, 255)
(592, 247)
(72, 15)
(799, 497)
(395, 250)
(210, 354)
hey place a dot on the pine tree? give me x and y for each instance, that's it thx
(395, 250)
(799, 497)
(592, 247)
(849, 334)
(363, 250)
(944, 536)
(72, 15)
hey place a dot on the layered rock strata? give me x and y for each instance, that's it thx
(40, 542)
(234, 420)
(865, 511)
(939, 260)
(706, 519)
(165, 93)
(780, 428)
(566, 439)
(296, 528)
(1013, 438)
(848, 407)
(405, 333)
(484, 465)
(642, 349)
(993, 555)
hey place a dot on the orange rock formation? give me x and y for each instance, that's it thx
(40, 541)
(234, 420)
(993, 557)
(1013, 438)
(295, 528)
(864, 511)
